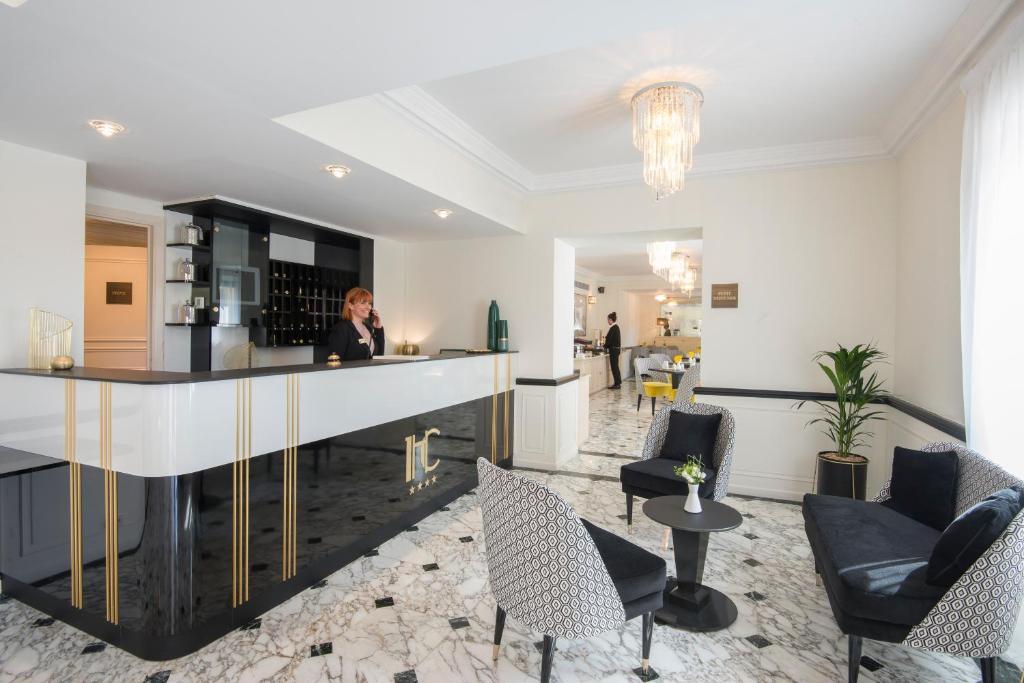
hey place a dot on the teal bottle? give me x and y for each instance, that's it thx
(502, 344)
(492, 326)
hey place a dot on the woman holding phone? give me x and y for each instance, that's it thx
(360, 334)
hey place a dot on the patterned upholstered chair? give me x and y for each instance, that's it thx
(650, 383)
(557, 573)
(689, 382)
(652, 476)
(975, 617)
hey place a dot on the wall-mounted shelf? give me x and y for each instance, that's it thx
(198, 283)
(305, 302)
(186, 245)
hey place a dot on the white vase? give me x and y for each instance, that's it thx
(692, 501)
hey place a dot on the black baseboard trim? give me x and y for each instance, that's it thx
(543, 382)
(944, 425)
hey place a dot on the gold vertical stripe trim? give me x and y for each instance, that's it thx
(110, 521)
(295, 478)
(240, 493)
(494, 415)
(508, 390)
(289, 508)
(74, 492)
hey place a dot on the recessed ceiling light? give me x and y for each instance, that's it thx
(337, 170)
(660, 298)
(107, 129)
(443, 213)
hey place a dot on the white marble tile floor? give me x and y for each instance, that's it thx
(437, 625)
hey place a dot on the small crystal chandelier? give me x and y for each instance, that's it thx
(659, 255)
(666, 126)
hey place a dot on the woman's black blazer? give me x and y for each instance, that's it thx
(346, 341)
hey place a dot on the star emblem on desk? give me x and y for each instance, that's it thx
(433, 480)
(412, 490)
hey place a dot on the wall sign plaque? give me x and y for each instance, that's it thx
(119, 293)
(725, 296)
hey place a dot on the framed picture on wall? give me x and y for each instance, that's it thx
(579, 315)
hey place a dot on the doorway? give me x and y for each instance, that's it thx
(117, 295)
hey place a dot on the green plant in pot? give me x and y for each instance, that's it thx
(858, 391)
(693, 474)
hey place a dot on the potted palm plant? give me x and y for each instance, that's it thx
(842, 472)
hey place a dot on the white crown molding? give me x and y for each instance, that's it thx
(940, 79)
(743, 161)
(430, 116)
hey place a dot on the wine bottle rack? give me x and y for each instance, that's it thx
(304, 302)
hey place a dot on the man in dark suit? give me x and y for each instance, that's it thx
(613, 342)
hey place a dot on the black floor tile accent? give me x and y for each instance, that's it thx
(43, 621)
(758, 641)
(406, 677)
(372, 553)
(870, 664)
(252, 625)
(445, 509)
(621, 516)
(321, 649)
(755, 596)
(413, 528)
(466, 539)
(92, 648)
(319, 584)
(432, 567)
(752, 562)
(651, 674)
(751, 536)
(748, 515)
(359, 518)
(384, 602)
(459, 622)
(158, 677)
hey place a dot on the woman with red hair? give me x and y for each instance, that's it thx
(360, 334)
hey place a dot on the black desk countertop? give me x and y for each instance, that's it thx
(164, 377)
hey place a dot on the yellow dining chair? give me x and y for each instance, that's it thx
(650, 387)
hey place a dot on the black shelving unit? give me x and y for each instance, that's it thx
(305, 302)
(193, 247)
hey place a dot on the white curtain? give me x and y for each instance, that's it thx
(992, 252)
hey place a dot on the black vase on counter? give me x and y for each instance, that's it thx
(492, 326)
(502, 341)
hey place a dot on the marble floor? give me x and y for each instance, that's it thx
(418, 608)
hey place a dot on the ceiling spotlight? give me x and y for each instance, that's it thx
(443, 213)
(107, 129)
(337, 170)
(660, 298)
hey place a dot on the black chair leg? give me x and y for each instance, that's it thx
(629, 509)
(648, 633)
(653, 399)
(639, 400)
(853, 658)
(499, 627)
(547, 656)
(988, 669)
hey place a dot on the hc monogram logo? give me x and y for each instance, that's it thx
(417, 461)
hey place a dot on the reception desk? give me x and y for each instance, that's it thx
(158, 511)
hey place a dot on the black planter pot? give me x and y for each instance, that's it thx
(842, 477)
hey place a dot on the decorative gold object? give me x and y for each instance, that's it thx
(333, 360)
(49, 335)
(289, 556)
(240, 493)
(62, 363)
(408, 349)
(74, 491)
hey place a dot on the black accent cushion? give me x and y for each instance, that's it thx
(690, 434)
(971, 534)
(873, 559)
(635, 572)
(655, 475)
(924, 486)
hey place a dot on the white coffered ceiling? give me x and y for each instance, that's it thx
(541, 85)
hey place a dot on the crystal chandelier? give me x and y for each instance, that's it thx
(672, 265)
(659, 255)
(666, 126)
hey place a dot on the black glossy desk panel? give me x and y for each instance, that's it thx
(177, 576)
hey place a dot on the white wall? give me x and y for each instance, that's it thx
(811, 249)
(927, 354)
(42, 263)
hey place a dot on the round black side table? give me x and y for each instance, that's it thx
(689, 604)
